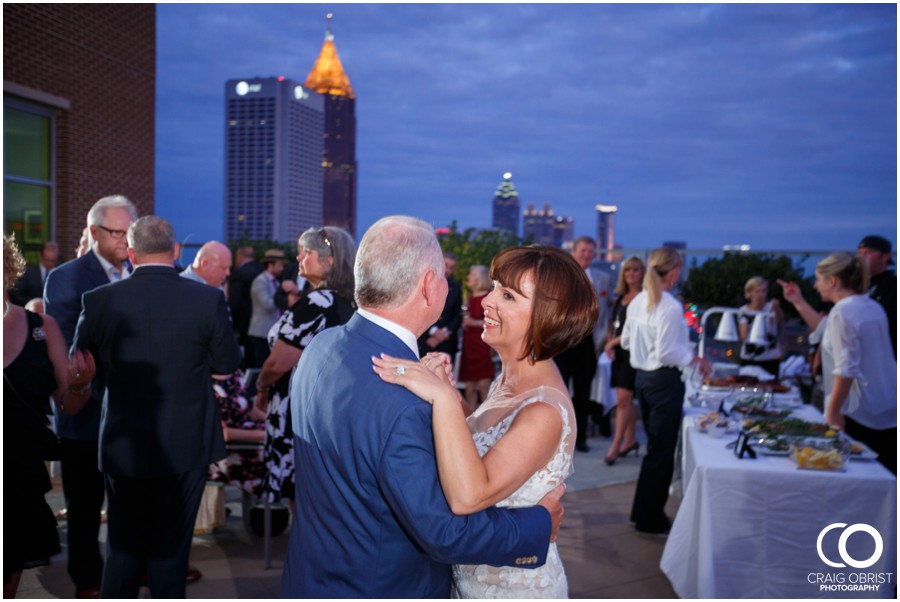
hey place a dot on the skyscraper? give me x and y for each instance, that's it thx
(606, 230)
(338, 159)
(273, 158)
(547, 228)
(506, 206)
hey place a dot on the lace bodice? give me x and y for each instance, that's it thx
(488, 424)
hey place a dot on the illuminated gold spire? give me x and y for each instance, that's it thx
(327, 75)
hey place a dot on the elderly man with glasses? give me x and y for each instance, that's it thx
(106, 261)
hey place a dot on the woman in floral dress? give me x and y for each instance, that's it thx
(326, 257)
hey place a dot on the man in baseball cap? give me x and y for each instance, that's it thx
(876, 250)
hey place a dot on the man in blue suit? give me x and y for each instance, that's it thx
(371, 519)
(105, 262)
(157, 338)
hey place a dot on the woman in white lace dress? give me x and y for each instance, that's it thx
(517, 446)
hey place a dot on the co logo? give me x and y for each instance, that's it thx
(842, 545)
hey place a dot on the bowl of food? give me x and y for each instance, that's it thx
(820, 453)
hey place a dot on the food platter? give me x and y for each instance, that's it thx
(860, 451)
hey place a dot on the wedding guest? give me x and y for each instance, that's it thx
(326, 257)
(476, 366)
(265, 313)
(622, 374)
(36, 371)
(859, 372)
(518, 444)
(578, 364)
(656, 335)
(443, 335)
(160, 429)
(31, 284)
(768, 356)
(106, 261)
(211, 265)
(876, 250)
(242, 422)
(371, 518)
(246, 269)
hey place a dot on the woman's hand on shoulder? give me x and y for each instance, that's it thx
(431, 378)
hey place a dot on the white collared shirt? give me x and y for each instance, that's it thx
(403, 334)
(657, 339)
(109, 268)
(856, 345)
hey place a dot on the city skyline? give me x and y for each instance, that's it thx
(694, 120)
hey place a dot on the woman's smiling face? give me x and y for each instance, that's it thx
(507, 315)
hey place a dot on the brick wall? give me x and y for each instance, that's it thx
(102, 59)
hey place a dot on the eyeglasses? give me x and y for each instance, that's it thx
(324, 236)
(113, 233)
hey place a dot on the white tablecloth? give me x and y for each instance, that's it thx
(748, 528)
(601, 392)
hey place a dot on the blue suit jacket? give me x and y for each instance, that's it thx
(62, 299)
(372, 520)
(157, 338)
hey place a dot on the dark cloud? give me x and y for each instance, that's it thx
(773, 125)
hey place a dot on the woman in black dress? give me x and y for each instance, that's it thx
(34, 369)
(622, 375)
(326, 257)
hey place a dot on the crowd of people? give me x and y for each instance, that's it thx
(355, 415)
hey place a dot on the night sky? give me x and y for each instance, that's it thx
(770, 125)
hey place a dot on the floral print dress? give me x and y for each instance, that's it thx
(311, 314)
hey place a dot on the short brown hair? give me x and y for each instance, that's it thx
(564, 307)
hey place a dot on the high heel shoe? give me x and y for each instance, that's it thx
(634, 447)
(610, 460)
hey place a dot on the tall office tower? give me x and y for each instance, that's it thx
(606, 228)
(273, 158)
(339, 155)
(506, 206)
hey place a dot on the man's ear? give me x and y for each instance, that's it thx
(177, 251)
(429, 290)
(131, 256)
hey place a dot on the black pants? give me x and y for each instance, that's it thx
(150, 527)
(578, 365)
(661, 394)
(83, 490)
(882, 442)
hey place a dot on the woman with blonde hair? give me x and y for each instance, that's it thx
(859, 372)
(36, 371)
(656, 335)
(622, 375)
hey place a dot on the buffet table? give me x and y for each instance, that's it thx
(748, 528)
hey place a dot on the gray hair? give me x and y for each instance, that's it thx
(98, 211)
(151, 235)
(393, 254)
(342, 248)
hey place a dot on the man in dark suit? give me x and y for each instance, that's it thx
(239, 282)
(106, 261)
(578, 365)
(31, 284)
(443, 335)
(372, 520)
(157, 339)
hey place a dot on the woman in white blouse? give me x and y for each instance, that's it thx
(656, 335)
(858, 366)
